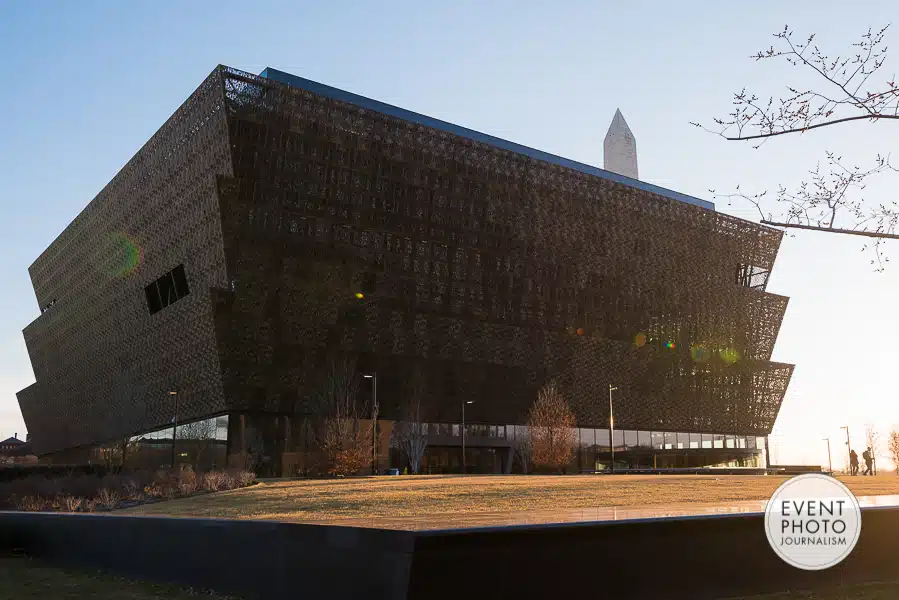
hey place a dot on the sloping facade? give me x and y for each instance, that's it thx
(310, 223)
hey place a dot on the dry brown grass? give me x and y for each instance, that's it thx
(324, 500)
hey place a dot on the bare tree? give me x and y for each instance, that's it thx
(852, 89)
(872, 440)
(345, 444)
(410, 435)
(524, 451)
(551, 425)
(200, 437)
(893, 444)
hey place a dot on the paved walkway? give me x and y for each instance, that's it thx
(575, 515)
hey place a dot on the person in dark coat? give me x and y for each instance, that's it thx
(868, 457)
(853, 463)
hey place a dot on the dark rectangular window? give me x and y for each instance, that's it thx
(180, 281)
(153, 301)
(167, 290)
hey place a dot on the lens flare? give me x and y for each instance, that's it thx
(699, 353)
(359, 295)
(640, 340)
(126, 255)
(670, 345)
(580, 331)
(730, 356)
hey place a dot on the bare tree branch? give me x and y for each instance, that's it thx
(804, 109)
(853, 88)
(829, 196)
(871, 234)
(872, 440)
(893, 447)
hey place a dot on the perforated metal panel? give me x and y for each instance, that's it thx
(491, 270)
(103, 364)
(309, 226)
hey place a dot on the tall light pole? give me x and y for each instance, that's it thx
(374, 422)
(464, 466)
(611, 425)
(829, 462)
(848, 448)
(174, 395)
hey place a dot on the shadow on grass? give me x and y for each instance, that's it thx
(869, 591)
(24, 578)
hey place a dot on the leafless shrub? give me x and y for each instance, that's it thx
(108, 499)
(70, 493)
(246, 478)
(165, 485)
(213, 481)
(231, 479)
(70, 503)
(187, 482)
(170, 490)
(133, 490)
(31, 503)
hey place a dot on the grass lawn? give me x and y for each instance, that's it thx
(26, 579)
(868, 591)
(324, 500)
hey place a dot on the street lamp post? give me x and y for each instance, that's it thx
(829, 462)
(374, 422)
(611, 426)
(464, 466)
(848, 448)
(174, 426)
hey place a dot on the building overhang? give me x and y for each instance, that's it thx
(476, 136)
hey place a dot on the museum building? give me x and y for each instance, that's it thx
(276, 230)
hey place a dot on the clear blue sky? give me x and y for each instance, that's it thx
(87, 83)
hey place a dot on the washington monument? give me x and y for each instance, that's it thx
(620, 148)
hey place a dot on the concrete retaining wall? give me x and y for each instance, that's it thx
(679, 558)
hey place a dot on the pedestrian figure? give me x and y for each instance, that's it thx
(869, 459)
(853, 463)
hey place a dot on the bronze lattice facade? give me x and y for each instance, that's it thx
(272, 223)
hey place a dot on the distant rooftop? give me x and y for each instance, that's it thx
(413, 117)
